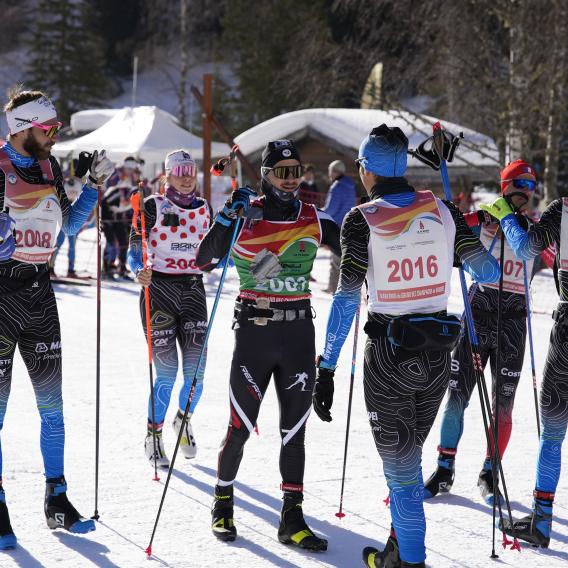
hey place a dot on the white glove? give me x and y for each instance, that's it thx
(101, 168)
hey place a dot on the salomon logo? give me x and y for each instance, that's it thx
(60, 518)
(455, 366)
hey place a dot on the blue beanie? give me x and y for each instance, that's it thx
(384, 151)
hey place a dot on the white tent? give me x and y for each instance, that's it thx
(146, 132)
(348, 127)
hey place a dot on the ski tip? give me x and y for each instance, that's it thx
(340, 514)
(149, 551)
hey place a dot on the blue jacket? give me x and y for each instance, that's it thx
(341, 198)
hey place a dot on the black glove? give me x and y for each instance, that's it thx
(82, 164)
(323, 394)
(238, 200)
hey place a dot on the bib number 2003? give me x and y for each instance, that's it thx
(288, 284)
(407, 269)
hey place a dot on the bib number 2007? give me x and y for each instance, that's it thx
(407, 269)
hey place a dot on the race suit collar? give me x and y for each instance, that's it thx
(390, 186)
(16, 158)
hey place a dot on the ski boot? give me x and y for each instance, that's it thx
(161, 457)
(187, 443)
(7, 537)
(293, 528)
(222, 523)
(389, 557)
(486, 485)
(442, 479)
(534, 528)
(59, 513)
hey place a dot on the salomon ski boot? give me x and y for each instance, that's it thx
(187, 443)
(222, 523)
(7, 537)
(293, 528)
(389, 557)
(442, 479)
(160, 456)
(486, 485)
(534, 528)
(59, 512)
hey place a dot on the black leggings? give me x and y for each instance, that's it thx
(287, 351)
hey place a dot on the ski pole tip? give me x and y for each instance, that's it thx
(340, 514)
(516, 545)
(156, 478)
(149, 551)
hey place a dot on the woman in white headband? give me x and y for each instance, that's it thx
(175, 224)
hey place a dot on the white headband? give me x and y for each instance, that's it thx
(178, 158)
(40, 110)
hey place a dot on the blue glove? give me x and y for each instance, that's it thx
(7, 241)
(238, 201)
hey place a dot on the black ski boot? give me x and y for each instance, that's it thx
(7, 537)
(222, 523)
(389, 557)
(486, 485)
(293, 528)
(59, 513)
(442, 479)
(534, 528)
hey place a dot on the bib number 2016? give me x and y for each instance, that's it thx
(407, 269)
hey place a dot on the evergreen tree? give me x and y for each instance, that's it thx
(66, 55)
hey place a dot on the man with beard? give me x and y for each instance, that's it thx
(33, 208)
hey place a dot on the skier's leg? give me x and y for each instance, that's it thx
(536, 527)
(40, 347)
(294, 379)
(72, 241)
(164, 349)
(192, 327)
(191, 335)
(460, 388)
(392, 379)
(506, 375)
(251, 369)
(13, 318)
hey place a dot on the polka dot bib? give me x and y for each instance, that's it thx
(172, 249)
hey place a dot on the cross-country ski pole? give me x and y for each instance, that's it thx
(98, 357)
(531, 345)
(340, 513)
(148, 326)
(219, 167)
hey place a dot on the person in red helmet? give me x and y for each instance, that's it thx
(518, 182)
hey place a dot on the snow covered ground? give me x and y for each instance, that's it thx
(459, 525)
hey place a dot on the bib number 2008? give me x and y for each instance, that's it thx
(30, 238)
(407, 269)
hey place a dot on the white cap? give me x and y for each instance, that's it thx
(178, 158)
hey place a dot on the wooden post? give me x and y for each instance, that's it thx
(207, 112)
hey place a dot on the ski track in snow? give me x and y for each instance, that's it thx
(459, 524)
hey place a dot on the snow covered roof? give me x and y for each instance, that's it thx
(147, 132)
(348, 127)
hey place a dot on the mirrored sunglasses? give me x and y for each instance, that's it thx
(284, 172)
(184, 171)
(528, 184)
(50, 130)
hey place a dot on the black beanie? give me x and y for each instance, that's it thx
(279, 150)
